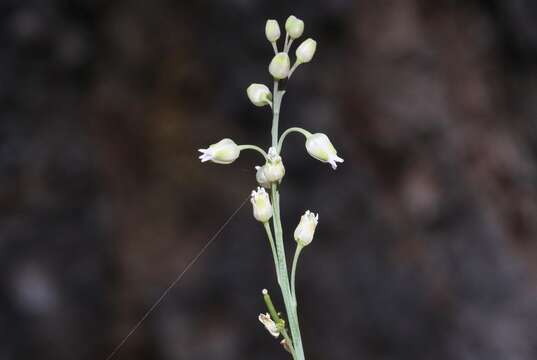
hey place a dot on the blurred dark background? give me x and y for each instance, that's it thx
(426, 247)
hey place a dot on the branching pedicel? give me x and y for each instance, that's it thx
(270, 176)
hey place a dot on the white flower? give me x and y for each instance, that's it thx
(306, 50)
(223, 152)
(269, 324)
(279, 66)
(272, 30)
(320, 147)
(261, 205)
(259, 94)
(294, 27)
(306, 228)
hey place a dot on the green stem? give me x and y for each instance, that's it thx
(281, 268)
(276, 114)
(304, 132)
(293, 271)
(253, 147)
(272, 247)
(290, 304)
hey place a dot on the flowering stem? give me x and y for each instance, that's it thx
(281, 268)
(304, 132)
(293, 272)
(253, 147)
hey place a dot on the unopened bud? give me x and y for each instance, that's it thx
(259, 94)
(306, 50)
(272, 30)
(294, 27)
(279, 66)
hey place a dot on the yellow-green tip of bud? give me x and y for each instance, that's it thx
(272, 30)
(279, 66)
(294, 27)
(306, 50)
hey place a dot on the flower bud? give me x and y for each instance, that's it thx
(320, 147)
(306, 228)
(269, 324)
(273, 170)
(261, 205)
(272, 30)
(223, 152)
(279, 66)
(306, 50)
(294, 27)
(259, 94)
(261, 178)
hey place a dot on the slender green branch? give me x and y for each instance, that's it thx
(304, 132)
(288, 45)
(273, 248)
(274, 47)
(278, 320)
(253, 147)
(276, 114)
(293, 271)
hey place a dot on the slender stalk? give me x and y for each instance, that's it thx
(276, 318)
(293, 271)
(275, 47)
(253, 147)
(272, 247)
(283, 281)
(304, 132)
(277, 100)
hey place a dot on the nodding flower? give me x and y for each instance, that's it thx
(223, 152)
(259, 94)
(319, 146)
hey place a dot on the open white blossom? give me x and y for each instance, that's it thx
(261, 205)
(319, 146)
(269, 324)
(223, 152)
(306, 228)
